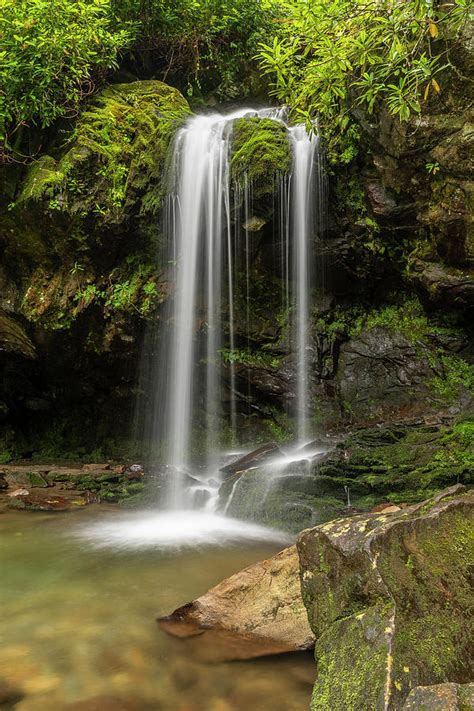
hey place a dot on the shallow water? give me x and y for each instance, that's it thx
(78, 618)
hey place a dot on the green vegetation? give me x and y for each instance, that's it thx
(52, 54)
(56, 53)
(249, 357)
(116, 155)
(403, 464)
(260, 152)
(331, 58)
(201, 45)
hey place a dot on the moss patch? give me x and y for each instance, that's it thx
(115, 158)
(260, 151)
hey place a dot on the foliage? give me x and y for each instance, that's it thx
(248, 357)
(203, 45)
(331, 58)
(52, 53)
(139, 293)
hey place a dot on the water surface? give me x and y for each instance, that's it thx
(78, 621)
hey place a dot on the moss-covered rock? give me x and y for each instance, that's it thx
(388, 599)
(441, 697)
(403, 464)
(260, 152)
(114, 161)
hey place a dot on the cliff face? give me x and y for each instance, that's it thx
(79, 275)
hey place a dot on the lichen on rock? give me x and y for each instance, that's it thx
(388, 598)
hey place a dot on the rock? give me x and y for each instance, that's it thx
(441, 697)
(41, 502)
(13, 338)
(9, 694)
(382, 366)
(254, 224)
(446, 285)
(27, 476)
(134, 472)
(252, 459)
(255, 612)
(96, 467)
(385, 508)
(18, 492)
(388, 600)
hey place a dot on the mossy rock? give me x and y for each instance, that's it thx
(260, 152)
(441, 697)
(115, 158)
(389, 600)
(403, 464)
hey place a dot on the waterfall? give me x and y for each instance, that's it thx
(207, 243)
(302, 225)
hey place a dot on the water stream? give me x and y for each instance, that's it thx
(208, 245)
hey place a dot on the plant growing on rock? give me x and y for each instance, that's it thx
(335, 58)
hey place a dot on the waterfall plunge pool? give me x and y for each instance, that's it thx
(79, 607)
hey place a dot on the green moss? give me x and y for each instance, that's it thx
(248, 357)
(351, 660)
(260, 151)
(433, 597)
(115, 157)
(403, 465)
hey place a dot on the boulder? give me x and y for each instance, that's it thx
(441, 697)
(252, 459)
(256, 612)
(381, 374)
(388, 599)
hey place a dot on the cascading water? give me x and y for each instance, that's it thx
(207, 254)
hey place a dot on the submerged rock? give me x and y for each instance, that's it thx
(256, 612)
(388, 599)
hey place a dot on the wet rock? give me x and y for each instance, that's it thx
(18, 492)
(254, 224)
(9, 694)
(441, 697)
(13, 338)
(446, 285)
(252, 459)
(381, 374)
(96, 467)
(134, 472)
(388, 600)
(29, 501)
(255, 612)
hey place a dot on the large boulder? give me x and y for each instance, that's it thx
(388, 599)
(256, 612)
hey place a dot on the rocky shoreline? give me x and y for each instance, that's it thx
(388, 599)
(50, 487)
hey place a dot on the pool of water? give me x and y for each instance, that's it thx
(79, 596)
